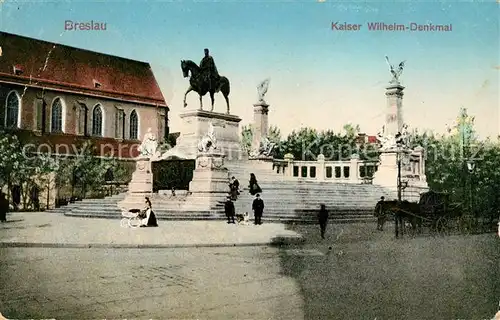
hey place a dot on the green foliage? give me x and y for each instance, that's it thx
(307, 143)
(447, 171)
(11, 159)
(19, 167)
(88, 171)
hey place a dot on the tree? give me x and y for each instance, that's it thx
(446, 165)
(303, 145)
(21, 168)
(308, 143)
(351, 131)
(86, 170)
(11, 158)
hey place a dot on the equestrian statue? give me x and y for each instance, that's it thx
(205, 78)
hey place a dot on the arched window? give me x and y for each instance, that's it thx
(134, 125)
(57, 116)
(12, 110)
(97, 121)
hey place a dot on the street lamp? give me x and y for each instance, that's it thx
(401, 145)
(471, 165)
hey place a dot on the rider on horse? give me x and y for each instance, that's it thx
(209, 70)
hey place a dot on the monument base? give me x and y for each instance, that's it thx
(261, 158)
(210, 182)
(195, 125)
(140, 186)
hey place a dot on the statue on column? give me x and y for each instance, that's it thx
(262, 90)
(395, 73)
(149, 144)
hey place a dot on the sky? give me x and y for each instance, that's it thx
(320, 77)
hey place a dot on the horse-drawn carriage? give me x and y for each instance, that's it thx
(433, 212)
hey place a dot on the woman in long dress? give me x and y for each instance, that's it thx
(148, 216)
(254, 186)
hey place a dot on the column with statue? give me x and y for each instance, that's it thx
(394, 169)
(388, 137)
(262, 147)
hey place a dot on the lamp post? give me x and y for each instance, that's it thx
(401, 147)
(471, 165)
(399, 172)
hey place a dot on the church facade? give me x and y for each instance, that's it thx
(55, 96)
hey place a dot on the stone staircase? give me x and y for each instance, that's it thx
(300, 202)
(286, 200)
(292, 200)
(165, 208)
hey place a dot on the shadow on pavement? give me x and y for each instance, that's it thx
(360, 273)
(15, 220)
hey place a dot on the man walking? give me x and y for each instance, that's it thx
(258, 209)
(229, 210)
(380, 214)
(323, 220)
(4, 207)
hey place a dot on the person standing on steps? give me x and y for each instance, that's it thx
(323, 220)
(253, 185)
(229, 210)
(258, 209)
(234, 188)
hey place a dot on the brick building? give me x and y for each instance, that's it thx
(59, 95)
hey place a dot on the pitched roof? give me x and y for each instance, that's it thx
(61, 67)
(364, 138)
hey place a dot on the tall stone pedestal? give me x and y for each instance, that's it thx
(140, 186)
(195, 125)
(387, 172)
(394, 112)
(210, 182)
(260, 123)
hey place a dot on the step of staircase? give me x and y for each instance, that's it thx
(287, 200)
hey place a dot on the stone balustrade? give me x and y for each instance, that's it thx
(352, 171)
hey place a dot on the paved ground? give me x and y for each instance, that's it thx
(356, 273)
(188, 283)
(366, 274)
(53, 229)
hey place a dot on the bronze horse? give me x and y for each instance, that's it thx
(201, 85)
(402, 211)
